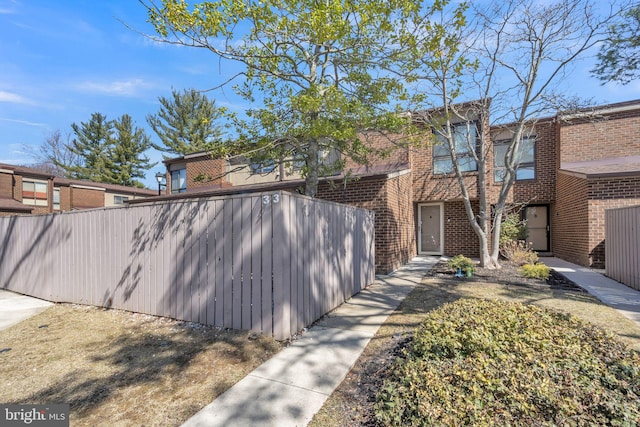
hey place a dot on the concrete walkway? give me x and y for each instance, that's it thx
(623, 298)
(14, 308)
(291, 387)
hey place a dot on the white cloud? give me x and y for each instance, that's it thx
(13, 98)
(24, 122)
(130, 87)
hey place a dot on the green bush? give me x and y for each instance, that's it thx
(535, 271)
(479, 362)
(461, 262)
(512, 229)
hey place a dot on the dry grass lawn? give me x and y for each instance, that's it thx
(351, 404)
(118, 368)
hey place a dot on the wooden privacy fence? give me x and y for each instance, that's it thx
(622, 245)
(270, 262)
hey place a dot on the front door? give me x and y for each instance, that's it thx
(430, 229)
(537, 218)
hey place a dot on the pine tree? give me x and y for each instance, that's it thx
(187, 123)
(127, 159)
(91, 146)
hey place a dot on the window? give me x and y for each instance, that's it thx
(464, 136)
(264, 167)
(178, 181)
(34, 193)
(119, 200)
(525, 159)
(56, 199)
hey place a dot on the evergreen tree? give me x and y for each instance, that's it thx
(127, 159)
(91, 146)
(186, 123)
(108, 151)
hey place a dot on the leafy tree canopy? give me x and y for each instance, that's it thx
(311, 70)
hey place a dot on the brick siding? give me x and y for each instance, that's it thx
(211, 172)
(584, 140)
(570, 224)
(83, 198)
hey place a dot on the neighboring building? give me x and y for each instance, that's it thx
(25, 190)
(571, 168)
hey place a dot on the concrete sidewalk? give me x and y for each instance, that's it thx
(623, 298)
(14, 308)
(291, 387)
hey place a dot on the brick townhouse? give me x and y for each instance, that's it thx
(572, 168)
(25, 190)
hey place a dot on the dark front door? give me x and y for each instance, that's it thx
(537, 218)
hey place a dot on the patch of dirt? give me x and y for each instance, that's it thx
(508, 274)
(352, 403)
(120, 368)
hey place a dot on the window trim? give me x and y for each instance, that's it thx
(459, 156)
(122, 199)
(34, 200)
(524, 165)
(53, 202)
(179, 189)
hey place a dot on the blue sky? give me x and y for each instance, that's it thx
(61, 61)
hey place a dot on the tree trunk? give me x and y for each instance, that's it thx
(313, 175)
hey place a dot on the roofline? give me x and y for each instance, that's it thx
(268, 186)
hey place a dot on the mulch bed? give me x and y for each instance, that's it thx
(507, 275)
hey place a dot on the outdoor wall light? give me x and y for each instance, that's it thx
(160, 177)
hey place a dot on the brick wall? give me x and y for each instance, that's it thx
(65, 198)
(570, 224)
(6, 185)
(386, 149)
(390, 199)
(459, 237)
(584, 140)
(84, 198)
(211, 171)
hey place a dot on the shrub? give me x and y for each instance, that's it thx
(518, 252)
(535, 271)
(480, 362)
(461, 262)
(513, 228)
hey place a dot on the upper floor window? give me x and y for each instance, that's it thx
(56, 199)
(34, 192)
(178, 181)
(267, 166)
(464, 138)
(524, 159)
(119, 200)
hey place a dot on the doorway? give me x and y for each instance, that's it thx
(430, 229)
(537, 217)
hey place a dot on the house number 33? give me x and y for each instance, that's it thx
(275, 198)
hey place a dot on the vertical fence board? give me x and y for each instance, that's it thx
(256, 263)
(622, 248)
(267, 267)
(247, 263)
(236, 263)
